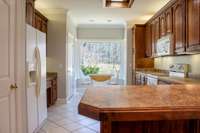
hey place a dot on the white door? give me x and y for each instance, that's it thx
(7, 42)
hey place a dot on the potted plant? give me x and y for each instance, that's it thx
(87, 70)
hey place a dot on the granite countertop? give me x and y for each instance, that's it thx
(164, 76)
(142, 102)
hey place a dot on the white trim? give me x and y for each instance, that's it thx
(20, 67)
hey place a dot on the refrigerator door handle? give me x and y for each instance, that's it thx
(38, 71)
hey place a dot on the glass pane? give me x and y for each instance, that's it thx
(104, 57)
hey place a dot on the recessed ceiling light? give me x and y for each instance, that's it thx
(91, 20)
(109, 20)
(118, 3)
(118, 0)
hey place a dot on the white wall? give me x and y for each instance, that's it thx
(129, 55)
(56, 49)
(194, 61)
(70, 63)
(99, 32)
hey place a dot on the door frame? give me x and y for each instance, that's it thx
(20, 61)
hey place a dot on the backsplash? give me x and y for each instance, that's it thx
(163, 63)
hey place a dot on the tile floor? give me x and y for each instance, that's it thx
(64, 118)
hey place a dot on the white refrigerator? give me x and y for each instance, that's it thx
(36, 78)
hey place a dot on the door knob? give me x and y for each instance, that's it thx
(13, 87)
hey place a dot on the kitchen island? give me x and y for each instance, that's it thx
(144, 109)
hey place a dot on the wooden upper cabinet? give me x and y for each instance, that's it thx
(156, 34)
(193, 25)
(157, 29)
(179, 26)
(30, 14)
(162, 25)
(168, 15)
(153, 38)
(40, 22)
(34, 17)
(148, 44)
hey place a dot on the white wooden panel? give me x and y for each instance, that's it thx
(4, 39)
(4, 115)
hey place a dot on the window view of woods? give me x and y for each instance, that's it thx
(100, 57)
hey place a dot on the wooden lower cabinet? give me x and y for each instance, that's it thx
(171, 126)
(51, 89)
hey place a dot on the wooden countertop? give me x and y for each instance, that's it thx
(163, 102)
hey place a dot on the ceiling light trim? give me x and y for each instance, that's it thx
(118, 3)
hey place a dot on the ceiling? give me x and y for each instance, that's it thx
(92, 11)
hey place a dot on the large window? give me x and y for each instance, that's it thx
(106, 56)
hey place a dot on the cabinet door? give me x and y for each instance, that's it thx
(162, 25)
(157, 29)
(168, 16)
(30, 19)
(38, 22)
(179, 26)
(148, 44)
(153, 38)
(193, 25)
(156, 34)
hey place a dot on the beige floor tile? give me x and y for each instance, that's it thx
(41, 131)
(66, 114)
(84, 130)
(55, 118)
(73, 126)
(49, 124)
(63, 122)
(56, 130)
(87, 122)
(95, 127)
(76, 117)
(64, 118)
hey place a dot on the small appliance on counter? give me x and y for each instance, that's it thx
(179, 70)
